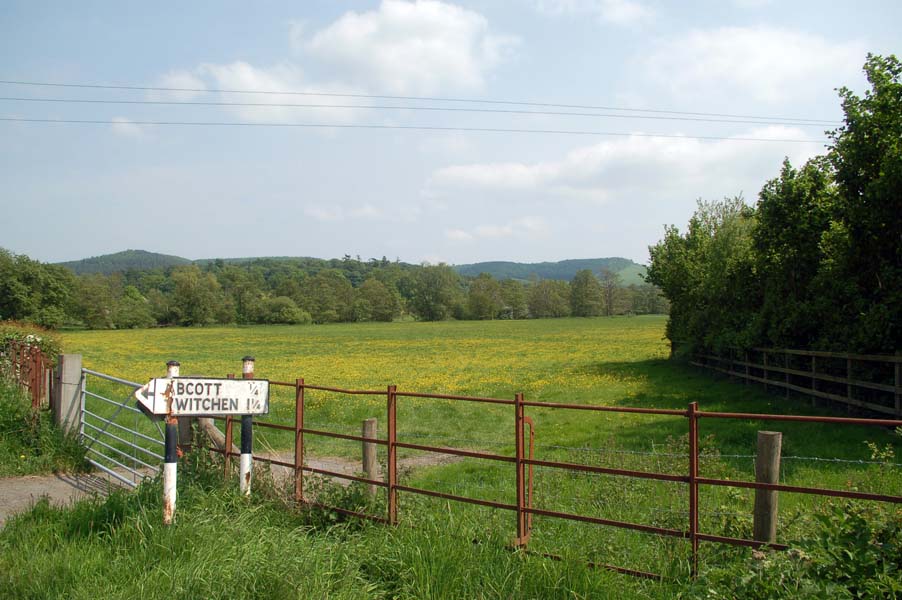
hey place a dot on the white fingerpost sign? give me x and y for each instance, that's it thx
(201, 396)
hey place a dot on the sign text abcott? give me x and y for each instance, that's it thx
(183, 396)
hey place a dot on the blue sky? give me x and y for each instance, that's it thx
(69, 191)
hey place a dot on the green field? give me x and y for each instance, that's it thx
(610, 361)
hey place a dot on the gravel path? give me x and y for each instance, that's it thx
(18, 494)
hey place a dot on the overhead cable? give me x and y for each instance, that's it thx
(397, 107)
(409, 127)
(408, 98)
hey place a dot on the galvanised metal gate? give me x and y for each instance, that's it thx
(121, 441)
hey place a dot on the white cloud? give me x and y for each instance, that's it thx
(321, 213)
(630, 167)
(184, 84)
(458, 235)
(125, 127)
(364, 212)
(285, 77)
(367, 211)
(616, 12)
(530, 226)
(422, 47)
(763, 64)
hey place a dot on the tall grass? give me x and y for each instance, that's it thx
(29, 442)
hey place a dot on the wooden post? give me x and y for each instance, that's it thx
(786, 373)
(370, 467)
(813, 380)
(767, 470)
(898, 387)
(849, 381)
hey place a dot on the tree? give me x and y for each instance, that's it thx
(437, 293)
(33, 291)
(864, 244)
(196, 297)
(708, 276)
(610, 291)
(377, 302)
(329, 297)
(132, 310)
(95, 301)
(793, 214)
(549, 298)
(282, 309)
(585, 295)
(484, 300)
(513, 295)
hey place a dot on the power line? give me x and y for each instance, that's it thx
(410, 98)
(397, 107)
(407, 127)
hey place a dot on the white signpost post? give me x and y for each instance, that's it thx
(173, 396)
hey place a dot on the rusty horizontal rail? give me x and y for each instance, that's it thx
(323, 388)
(341, 436)
(607, 470)
(446, 496)
(255, 422)
(707, 537)
(615, 409)
(596, 565)
(802, 418)
(347, 512)
(484, 400)
(375, 482)
(611, 522)
(779, 487)
(457, 452)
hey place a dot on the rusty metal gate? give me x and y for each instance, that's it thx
(120, 440)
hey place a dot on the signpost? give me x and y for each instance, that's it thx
(201, 396)
(173, 396)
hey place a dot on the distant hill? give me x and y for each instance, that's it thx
(140, 260)
(629, 271)
(123, 261)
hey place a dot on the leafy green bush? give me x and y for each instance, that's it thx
(34, 335)
(853, 551)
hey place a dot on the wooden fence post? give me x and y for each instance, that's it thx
(370, 467)
(898, 386)
(767, 470)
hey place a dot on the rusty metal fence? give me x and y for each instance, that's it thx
(31, 369)
(524, 460)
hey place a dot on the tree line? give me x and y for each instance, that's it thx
(817, 263)
(299, 291)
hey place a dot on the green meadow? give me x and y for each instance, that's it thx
(448, 549)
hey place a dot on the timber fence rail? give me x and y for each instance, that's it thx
(523, 460)
(864, 381)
